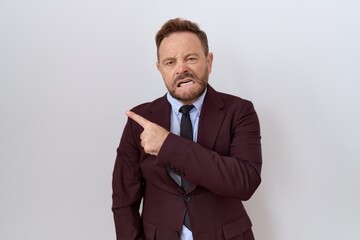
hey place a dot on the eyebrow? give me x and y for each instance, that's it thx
(174, 58)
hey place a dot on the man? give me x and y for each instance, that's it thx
(191, 186)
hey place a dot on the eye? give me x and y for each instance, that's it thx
(169, 63)
(192, 59)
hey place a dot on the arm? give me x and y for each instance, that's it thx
(232, 173)
(127, 188)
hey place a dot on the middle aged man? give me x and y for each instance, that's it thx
(192, 156)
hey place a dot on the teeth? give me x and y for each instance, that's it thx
(185, 83)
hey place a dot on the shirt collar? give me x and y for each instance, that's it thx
(176, 104)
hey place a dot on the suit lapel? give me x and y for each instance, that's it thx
(160, 114)
(208, 129)
(211, 118)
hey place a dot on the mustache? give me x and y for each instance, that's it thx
(184, 75)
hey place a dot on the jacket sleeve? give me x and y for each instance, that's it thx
(234, 172)
(127, 188)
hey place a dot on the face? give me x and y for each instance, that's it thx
(184, 66)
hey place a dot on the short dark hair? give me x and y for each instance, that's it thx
(181, 25)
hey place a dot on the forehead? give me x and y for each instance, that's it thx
(180, 43)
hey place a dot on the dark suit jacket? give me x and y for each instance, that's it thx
(224, 167)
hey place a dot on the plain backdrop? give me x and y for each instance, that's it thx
(69, 69)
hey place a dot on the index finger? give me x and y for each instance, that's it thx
(137, 118)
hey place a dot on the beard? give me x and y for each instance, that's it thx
(194, 92)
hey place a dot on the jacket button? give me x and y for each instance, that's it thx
(176, 234)
(187, 198)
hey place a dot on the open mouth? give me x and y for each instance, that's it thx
(185, 83)
(185, 79)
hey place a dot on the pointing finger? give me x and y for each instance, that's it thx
(137, 118)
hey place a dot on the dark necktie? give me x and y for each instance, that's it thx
(186, 131)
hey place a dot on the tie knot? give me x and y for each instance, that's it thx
(186, 109)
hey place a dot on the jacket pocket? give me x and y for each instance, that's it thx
(149, 230)
(237, 228)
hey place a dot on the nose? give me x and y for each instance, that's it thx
(181, 67)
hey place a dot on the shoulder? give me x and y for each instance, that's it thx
(226, 100)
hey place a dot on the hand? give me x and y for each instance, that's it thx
(153, 136)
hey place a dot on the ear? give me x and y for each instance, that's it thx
(158, 66)
(209, 60)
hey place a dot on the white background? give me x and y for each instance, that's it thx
(70, 69)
